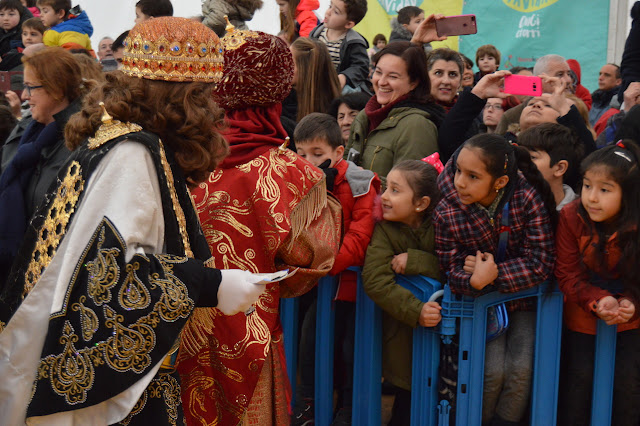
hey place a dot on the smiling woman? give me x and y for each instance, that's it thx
(31, 160)
(400, 121)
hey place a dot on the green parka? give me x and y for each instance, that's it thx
(401, 309)
(406, 134)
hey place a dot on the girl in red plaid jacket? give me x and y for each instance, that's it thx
(478, 181)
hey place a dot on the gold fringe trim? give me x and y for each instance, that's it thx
(194, 335)
(308, 210)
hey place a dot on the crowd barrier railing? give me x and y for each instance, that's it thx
(462, 315)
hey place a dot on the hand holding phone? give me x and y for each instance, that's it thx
(456, 25)
(526, 85)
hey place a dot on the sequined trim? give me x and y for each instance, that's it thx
(177, 208)
(110, 131)
(55, 225)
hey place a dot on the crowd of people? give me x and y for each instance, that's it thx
(158, 196)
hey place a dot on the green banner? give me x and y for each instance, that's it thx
(522, 30)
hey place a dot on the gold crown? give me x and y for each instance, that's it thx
(173, 49)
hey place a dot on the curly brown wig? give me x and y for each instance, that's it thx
(183, 115)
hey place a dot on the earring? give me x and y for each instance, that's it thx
(418, 209)
(497, 190)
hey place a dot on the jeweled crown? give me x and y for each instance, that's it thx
(173, 49)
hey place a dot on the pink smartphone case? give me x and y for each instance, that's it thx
(523, 85)
(456, 25)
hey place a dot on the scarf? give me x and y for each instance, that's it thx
(252, 132)
(13, 185)
(376, 113)
(448, 105)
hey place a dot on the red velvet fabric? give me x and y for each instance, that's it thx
(252, 132)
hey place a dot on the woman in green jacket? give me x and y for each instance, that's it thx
(400, 122)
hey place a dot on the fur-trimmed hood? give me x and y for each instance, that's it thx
(238, 11)
(399, 32)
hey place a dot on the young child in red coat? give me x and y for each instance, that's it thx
(598, 244)
(319, 140)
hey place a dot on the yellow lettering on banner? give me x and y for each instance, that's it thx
(527, 6)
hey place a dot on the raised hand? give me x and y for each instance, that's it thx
(426, 31)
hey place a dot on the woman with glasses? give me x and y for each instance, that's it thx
(53, 87)
(492, 113)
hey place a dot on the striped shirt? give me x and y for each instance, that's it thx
(333, 46)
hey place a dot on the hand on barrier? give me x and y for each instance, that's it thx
(469, 264)
(626, 310)
(399, 263)
(238, 291)
(485, 271)
(430, 314)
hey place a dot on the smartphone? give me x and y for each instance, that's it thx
(456, 25)
(526, 85)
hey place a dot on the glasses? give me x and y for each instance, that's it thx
(28, 88)
(496, 107)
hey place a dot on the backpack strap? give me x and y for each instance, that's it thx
(504, 233)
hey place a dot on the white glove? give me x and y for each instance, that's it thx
(238, 291)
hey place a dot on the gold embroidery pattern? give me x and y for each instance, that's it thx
(174, 302)
(54, 225)
(129, 347)
(224, 210)
(104, 272)
(165, 387)
(88, 319)
(137, 409)
(2, 326)
(133, 294)
(71, 373)
(182, 221)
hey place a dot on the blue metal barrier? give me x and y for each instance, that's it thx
(471, 313)
(603, 373)
(473, 324)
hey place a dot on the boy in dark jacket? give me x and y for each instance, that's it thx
(319, 140)
(12, 15)
(348, 49)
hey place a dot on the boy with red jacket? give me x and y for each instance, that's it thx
(319, 140)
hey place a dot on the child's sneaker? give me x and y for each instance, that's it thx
(303, 412)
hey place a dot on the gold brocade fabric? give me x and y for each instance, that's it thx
(265, 215)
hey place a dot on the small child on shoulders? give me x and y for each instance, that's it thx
(403, 243)
(556, 152)
(405, 25)
(32, 32)
(348, 49)
(12, 15)
(487, 60)
(149, 9)
(319, 140)
(66, 28)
